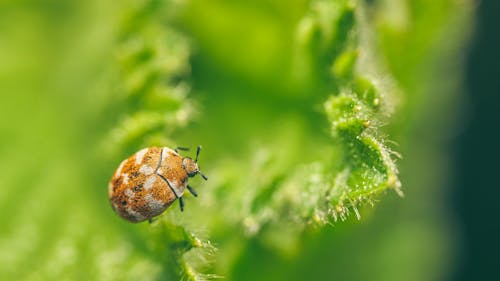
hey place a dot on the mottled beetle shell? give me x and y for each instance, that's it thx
(147, 183)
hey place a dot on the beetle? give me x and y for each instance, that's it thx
(148, 182)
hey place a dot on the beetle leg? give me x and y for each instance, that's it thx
(151, 220)
(192, 191)
(181, 148)
(181, 204)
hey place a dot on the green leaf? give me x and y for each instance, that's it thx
(296, 106)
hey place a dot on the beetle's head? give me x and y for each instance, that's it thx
(191, 166)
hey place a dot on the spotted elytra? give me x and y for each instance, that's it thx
(148, 182)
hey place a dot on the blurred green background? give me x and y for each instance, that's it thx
(242, 83)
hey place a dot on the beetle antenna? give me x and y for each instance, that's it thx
(202, 175)
(197, 153)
